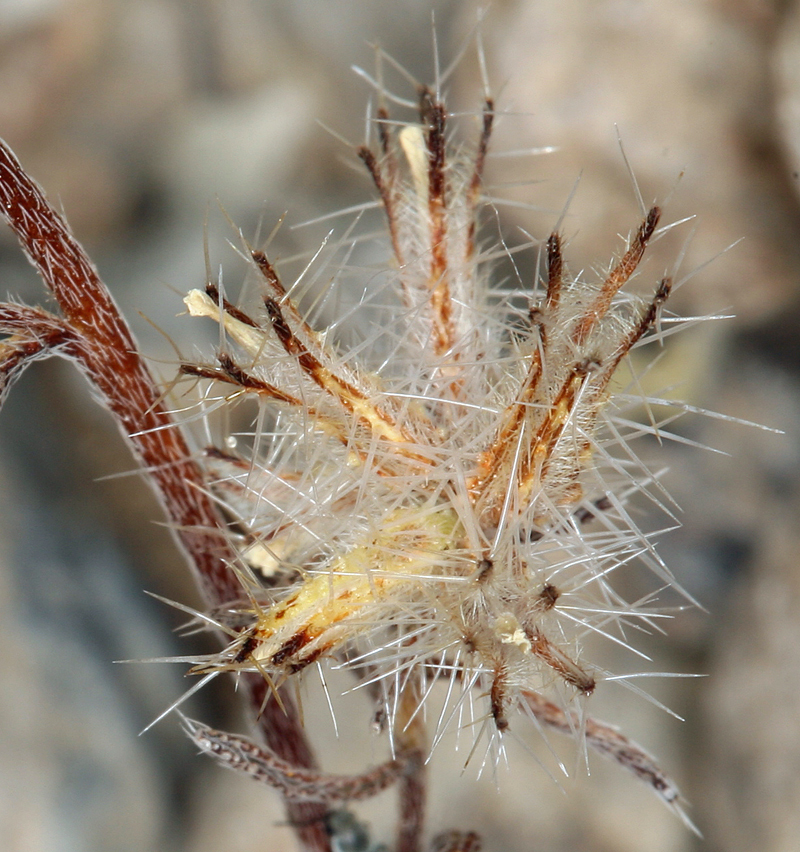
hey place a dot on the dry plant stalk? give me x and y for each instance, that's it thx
(439, 511)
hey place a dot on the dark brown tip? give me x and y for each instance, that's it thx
(548, 596)
(485, 567)
(647, 227)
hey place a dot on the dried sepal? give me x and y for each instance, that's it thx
(608, 741)
(249, 758)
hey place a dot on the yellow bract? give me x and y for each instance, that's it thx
(407, 544)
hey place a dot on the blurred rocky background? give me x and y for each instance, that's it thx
(144, 119)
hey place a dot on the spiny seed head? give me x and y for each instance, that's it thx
(453, 507)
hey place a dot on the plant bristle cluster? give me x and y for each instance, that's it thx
(451, 509)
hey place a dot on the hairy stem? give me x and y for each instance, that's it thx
(411, 739)
(95, 335)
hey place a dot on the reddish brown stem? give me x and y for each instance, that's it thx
(284, 735)
(109, 356)
(456, 841)
(411, 740)
(412, 789)
(94, 334)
